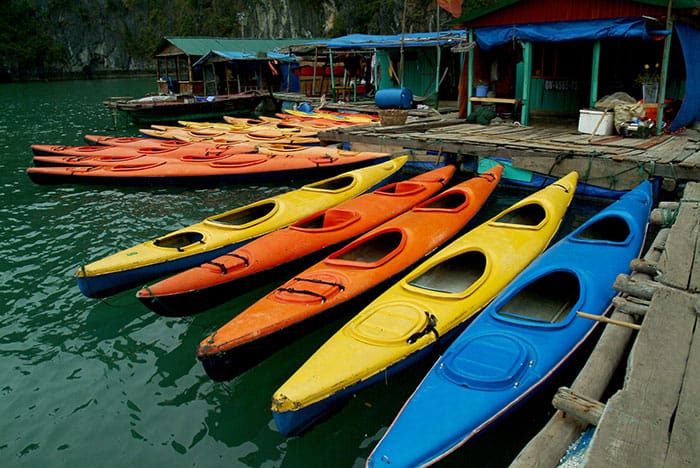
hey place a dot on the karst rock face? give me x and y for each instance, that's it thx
(100, 36)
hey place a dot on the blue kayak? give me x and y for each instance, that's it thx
(521, 339)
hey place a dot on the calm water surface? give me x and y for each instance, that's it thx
(109, 383)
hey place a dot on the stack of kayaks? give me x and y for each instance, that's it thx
(356, 269)
(215, 281)
(133, 162)
(424, 309)
(521, 339)
(193, 245)
(219, 135)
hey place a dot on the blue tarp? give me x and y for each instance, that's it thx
(369, 41)
(593, 30)
(224, 55)
(690, 107)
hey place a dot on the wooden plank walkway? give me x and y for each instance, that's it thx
(654, 420)
(607, 161)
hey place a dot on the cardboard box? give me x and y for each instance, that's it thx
(588, 122)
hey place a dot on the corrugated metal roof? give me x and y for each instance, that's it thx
(199, 46)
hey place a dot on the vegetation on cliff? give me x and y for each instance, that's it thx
(50, 38)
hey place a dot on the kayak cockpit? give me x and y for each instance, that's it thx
(454, 275)
(549, 299)
(334, 184)
(532, 214)
(180, 240)
(372, 251)
(447, 201)
(242, 218)
(611, 229)
(329, 220)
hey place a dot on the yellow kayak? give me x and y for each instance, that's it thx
(436, 299)
(224, 232)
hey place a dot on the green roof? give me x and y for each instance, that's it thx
(200, 46)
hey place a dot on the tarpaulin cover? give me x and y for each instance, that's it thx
(592, 30)
(690, 107)
(224, 55)
(369, 41)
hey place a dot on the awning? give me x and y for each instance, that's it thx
(225, 56)
(369, 41)
(690, 107)
(592, 30)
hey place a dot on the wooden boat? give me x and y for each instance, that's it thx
(222, 136)
(194, 169)
(160, 109)
(520, 340)
(424, 309)
(359, 268)
(213, 282)
(193, 245)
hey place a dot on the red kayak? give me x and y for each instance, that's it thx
(361, 267)
(197, 289)
(141, 142)
(168, 151)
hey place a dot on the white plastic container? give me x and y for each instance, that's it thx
(588, 122)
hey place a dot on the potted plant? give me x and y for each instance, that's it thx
(649, 81)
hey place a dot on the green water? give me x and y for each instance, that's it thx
(109, 383)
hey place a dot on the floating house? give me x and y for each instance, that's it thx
(557, 57)
(216, 65)
(359, 64)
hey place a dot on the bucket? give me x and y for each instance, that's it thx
(481, 91)
(394, 98)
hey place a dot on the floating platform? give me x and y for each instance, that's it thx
(608, 161)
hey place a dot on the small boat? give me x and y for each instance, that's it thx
(361, 267)
(521, 339)
(193, 245)
(194, 169)
(171, 108)
(211, 283)
(423, 310)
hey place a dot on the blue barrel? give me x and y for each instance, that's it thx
(394, 98)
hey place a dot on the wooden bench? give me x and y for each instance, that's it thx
(516, 103)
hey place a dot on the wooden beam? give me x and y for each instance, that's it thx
(603, 319)
(586, 409)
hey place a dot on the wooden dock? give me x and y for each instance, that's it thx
(654, 419)
(613, 162)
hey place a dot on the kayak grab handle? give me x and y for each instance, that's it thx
(429, 328)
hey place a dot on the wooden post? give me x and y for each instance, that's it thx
(579, 406)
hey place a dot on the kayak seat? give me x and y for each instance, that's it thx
(334, 184)
(401, 188)
(180, 240)
(447, 201)
(527, 215)
(547, 300)
(454, 275)
(612, 229)
(246, 216)
(331, 219)
(372, 251)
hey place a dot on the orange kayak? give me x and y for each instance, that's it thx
(362, 266)
(212, 283)
(51, 155)
(238, 168)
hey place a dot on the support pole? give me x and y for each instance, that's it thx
(664, 69)
(595, 71)
(527, 78)
(470, 74)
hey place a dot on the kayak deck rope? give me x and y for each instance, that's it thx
(303, 291)
(318, 281)
(240, 257)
